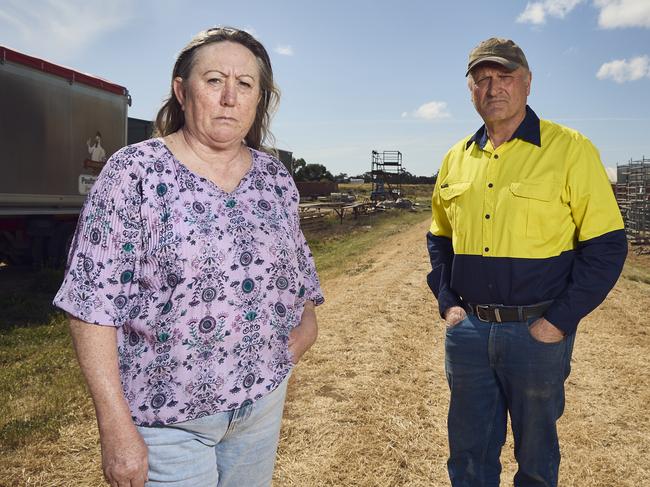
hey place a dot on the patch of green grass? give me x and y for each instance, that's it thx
(26, 296)
(336, 246)
(41, 385)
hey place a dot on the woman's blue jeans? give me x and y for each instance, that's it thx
(229, 449)
(494, 369)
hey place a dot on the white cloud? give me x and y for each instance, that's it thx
(536, 12)
(61, 28)
(622, 70)
(623, 13)
(284, 50)
(433, 110)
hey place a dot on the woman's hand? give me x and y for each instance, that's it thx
(124, 453)
(303, 336)
(124, 456)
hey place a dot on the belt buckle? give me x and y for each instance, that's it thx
(482, 307)
(486, 307)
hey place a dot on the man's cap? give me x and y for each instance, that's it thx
(497, 50)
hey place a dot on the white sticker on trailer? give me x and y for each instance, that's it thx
(85, 183)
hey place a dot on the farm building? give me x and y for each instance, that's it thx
(633, 196)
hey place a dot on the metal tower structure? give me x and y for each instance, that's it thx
(633, 196)
(386, 174)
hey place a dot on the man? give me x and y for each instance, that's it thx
(526, 239)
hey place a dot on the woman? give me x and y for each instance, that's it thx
(189, 252)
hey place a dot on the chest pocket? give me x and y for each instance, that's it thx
(451, 195)
(535, 205)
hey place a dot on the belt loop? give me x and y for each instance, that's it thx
(497, 315)
(520, 313)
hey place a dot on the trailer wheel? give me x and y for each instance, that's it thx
(59, 245)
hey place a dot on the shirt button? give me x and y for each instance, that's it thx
(490, 185)
(487, 249)
(487, 217)
(496, 156)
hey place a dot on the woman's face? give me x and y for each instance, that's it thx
(221, 95)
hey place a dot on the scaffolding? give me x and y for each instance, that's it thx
(633, 196)
(386, 172)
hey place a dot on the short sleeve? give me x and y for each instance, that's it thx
(306, 266)
(100, 282)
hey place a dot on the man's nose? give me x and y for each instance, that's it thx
(493, 86)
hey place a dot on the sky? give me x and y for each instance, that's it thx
(358, 76)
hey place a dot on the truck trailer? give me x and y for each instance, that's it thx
(58, 127)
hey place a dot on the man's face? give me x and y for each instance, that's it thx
(499, 95)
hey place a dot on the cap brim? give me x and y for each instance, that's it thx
(511, 65)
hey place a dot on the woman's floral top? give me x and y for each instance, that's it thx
(204, 285)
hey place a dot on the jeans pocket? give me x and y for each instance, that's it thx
(450, 328)
(545, 344)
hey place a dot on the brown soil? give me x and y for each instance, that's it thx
(367, 405)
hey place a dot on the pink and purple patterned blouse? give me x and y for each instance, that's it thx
(204, 285)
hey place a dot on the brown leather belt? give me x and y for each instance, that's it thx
(499, 313)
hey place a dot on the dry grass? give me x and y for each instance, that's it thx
(367, 406)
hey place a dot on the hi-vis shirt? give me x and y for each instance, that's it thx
(531, 221)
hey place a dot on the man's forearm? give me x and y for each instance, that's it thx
(441, 255)
(596, 268)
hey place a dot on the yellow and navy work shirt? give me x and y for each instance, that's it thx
(532, 220)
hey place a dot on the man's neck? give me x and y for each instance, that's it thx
(501, 131)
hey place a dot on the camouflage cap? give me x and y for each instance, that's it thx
(497, 50)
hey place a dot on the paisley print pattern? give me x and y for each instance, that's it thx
(204, 285)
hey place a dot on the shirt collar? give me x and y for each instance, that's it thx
(528, 131)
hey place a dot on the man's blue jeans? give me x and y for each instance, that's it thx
(494, 369)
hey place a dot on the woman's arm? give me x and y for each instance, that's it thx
(124, 453)
(303, 336)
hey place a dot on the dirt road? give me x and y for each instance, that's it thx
(367, 406)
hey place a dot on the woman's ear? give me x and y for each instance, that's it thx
(179, 91)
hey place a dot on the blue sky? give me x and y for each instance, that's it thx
(362, 75)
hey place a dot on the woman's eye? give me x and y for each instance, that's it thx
(214, 80)
(245, 84)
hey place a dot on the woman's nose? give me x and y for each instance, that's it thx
(229, 95)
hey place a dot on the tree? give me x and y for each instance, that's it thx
(312, 172)
(296, 164)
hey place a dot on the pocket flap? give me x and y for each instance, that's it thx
(541, 190)
(451, 190)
